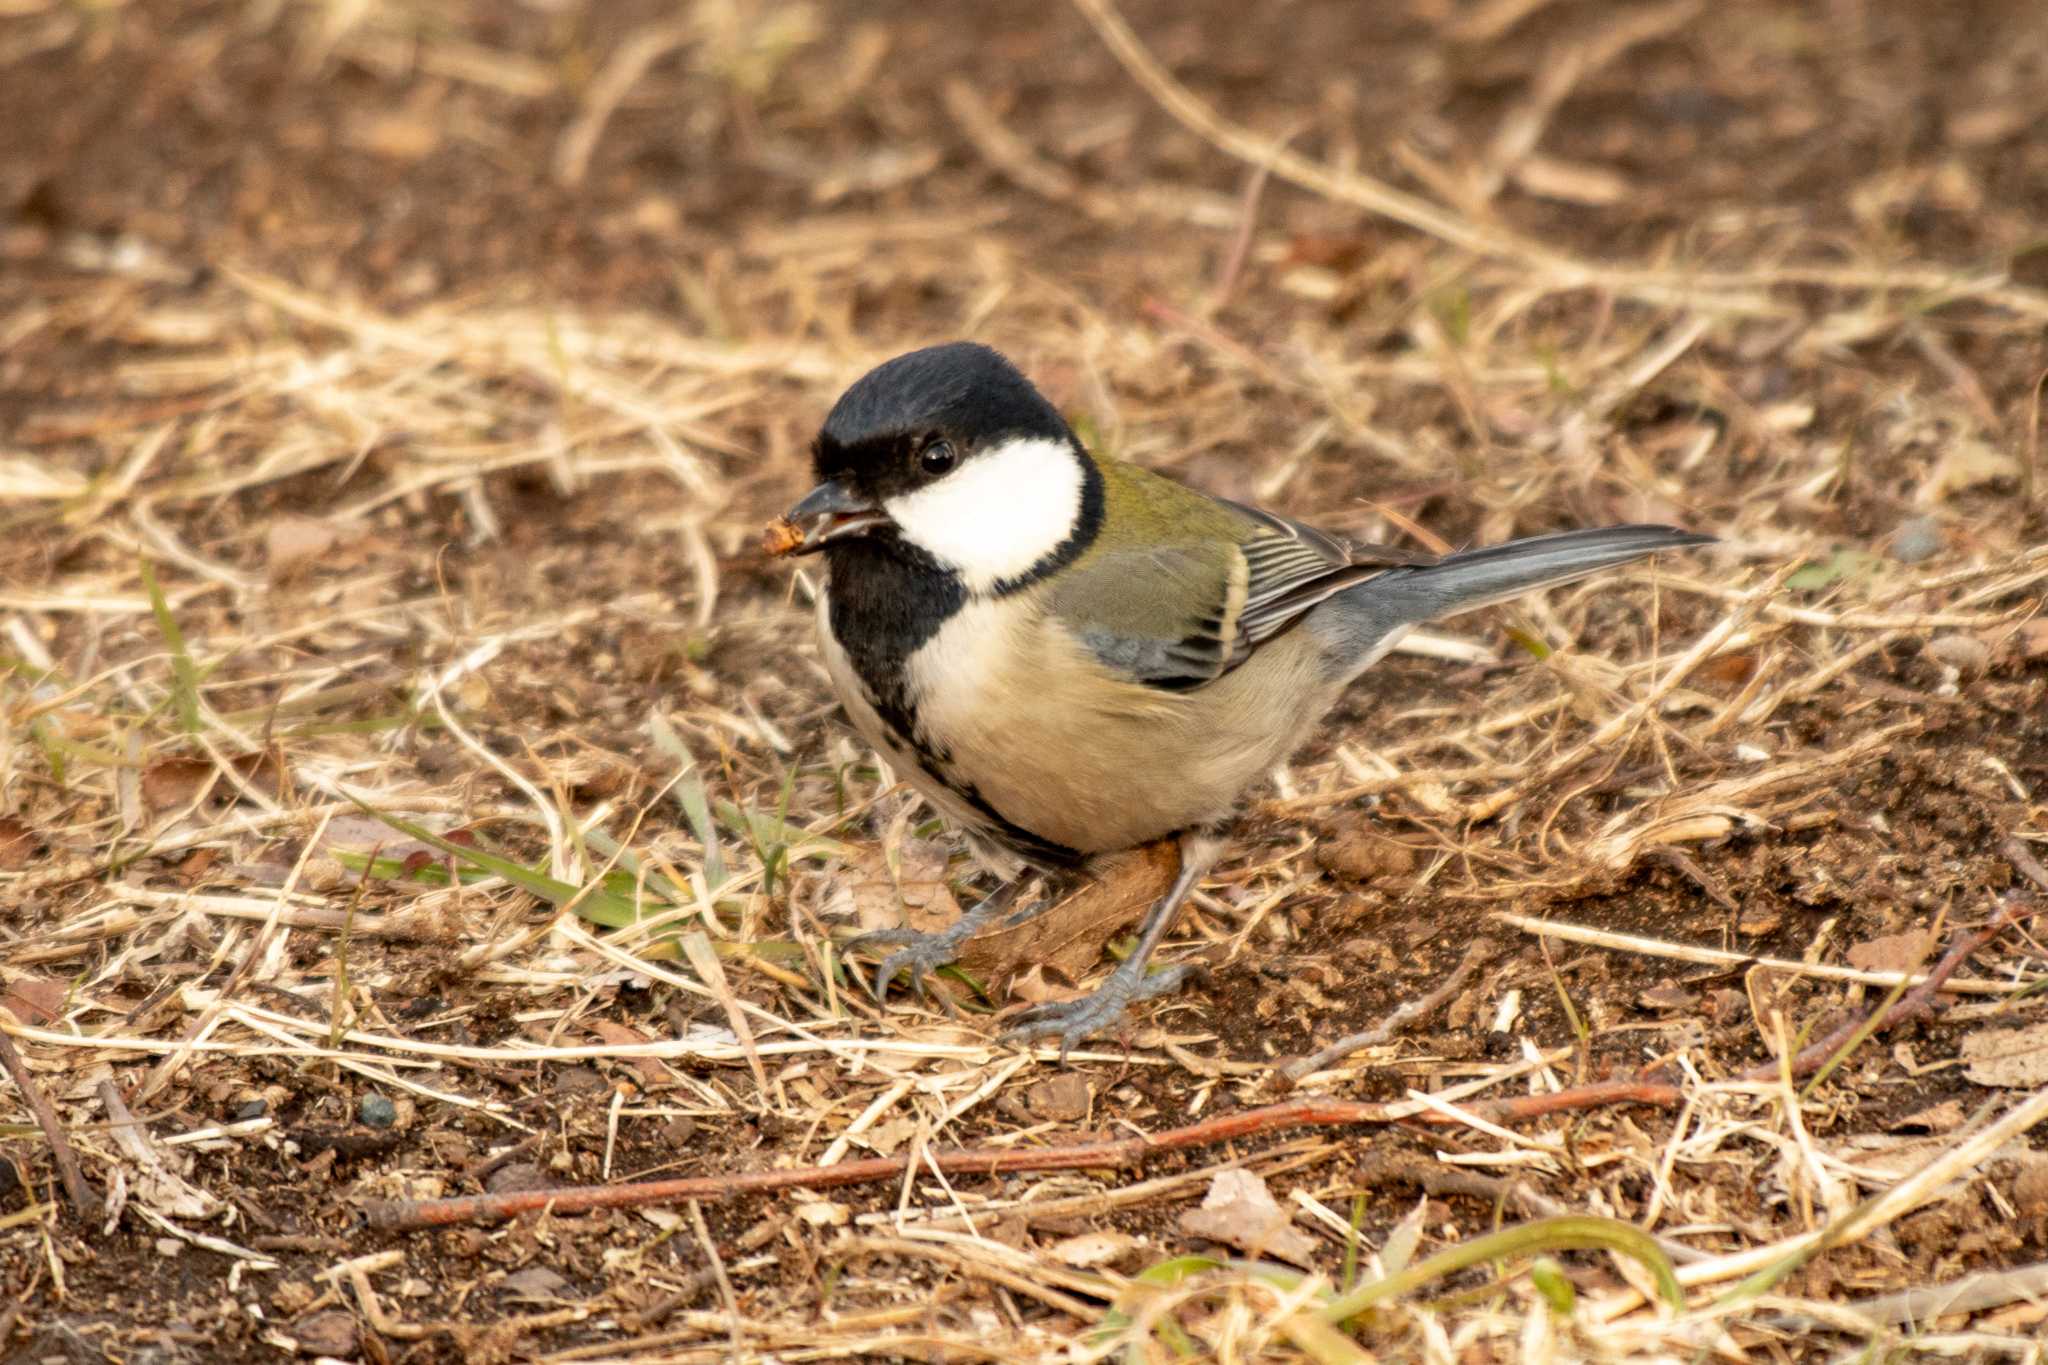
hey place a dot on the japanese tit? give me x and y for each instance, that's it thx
(1070, 656)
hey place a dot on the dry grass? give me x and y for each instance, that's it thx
(315, 533)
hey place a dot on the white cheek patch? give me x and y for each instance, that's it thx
(999, 513)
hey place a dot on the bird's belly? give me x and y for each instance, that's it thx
(917, 763)
(1027, 719)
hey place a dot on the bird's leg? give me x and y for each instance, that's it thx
(1073, 1020)
(927, 952)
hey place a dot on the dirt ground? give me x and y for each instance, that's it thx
(392, 395)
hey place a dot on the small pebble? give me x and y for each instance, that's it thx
(514, 1176)
(1667, 996)
(1359, 857)
(251, 1109)
(1916, 539)
(1059, 1099)
(2030, 1190)
(583, 1080)
(377, 1112)
(331, 1334)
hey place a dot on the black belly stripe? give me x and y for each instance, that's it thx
(885, 601)
(1039, 852)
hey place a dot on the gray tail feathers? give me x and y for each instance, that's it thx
(1478, 578)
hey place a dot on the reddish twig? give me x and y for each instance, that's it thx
(1912, 1005)
(404, 1214)
(84, 1202)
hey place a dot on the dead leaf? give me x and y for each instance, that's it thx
(1030, 987)
(1331, 252)
(1240, 1211)
(1093, 1249)
(2016, 1058)
(537, 1282)
(407, 133)
(1068, 938)
(1966, 463)
(17, 844)
(1891, 953)
(823, 1213)
(1935, 1118)
(172, 782)
(625, 1035)
(263, 770)
(361, 834)
(330, 1335)
(197, 864)
(293, 541)
(1758, 922)
(908, 892)
(886, 1137)
(35, 1000)
(1728, 670)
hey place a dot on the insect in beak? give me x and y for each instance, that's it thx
(826, 513)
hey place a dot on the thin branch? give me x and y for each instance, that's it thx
(406, 1214)
(1913, 1005)
(1971, 1294)
(84, 1202)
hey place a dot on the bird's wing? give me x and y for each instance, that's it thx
(1293, 566)
(1178, 616)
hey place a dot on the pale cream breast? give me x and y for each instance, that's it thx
(908, 765)
(1058, 745)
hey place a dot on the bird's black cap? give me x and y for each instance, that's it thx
(962, 391)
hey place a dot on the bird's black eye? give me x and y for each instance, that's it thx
(937, 458)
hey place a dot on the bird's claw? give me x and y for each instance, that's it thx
(921, 953)
(1073, 1020)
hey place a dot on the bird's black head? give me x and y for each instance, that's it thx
(878, 438)
(952, 455)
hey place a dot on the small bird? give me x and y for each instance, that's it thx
(1069, 656)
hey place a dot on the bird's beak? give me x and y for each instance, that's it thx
(830, 511)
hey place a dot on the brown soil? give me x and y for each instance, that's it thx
(386, 334)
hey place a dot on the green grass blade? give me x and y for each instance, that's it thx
(627, 872)
(1571, 1232)
(691, 796)
(184, 673)
(592, 902)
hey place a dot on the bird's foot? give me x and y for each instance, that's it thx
(922, 953)
(925, 953)
(1073, 1020)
